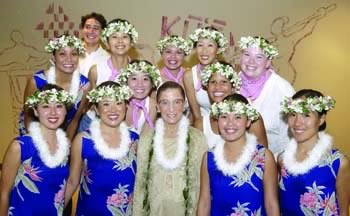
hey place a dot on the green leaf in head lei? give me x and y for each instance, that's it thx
(236, 107)
(49, 96)
(65, 41)
(307, 105)
(117, 93)
(176, 41)
(269, 50)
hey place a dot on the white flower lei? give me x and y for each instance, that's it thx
(236, 107)
(216, 36)
(269, 50)
(75, 83)
(233, 168)
(314, 156)
(310, 104)
(176, 41)
(181, 144)
(60, 157)
(120, 26)
(48, 96)
(139, 67)
(225, 70)
(65, 41)
(102, 147)
(118, 93)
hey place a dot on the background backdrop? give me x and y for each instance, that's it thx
(312, 38)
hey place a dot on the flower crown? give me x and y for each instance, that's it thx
(229, 106)
(65, 41)
(269, 50)
(217, 36)
(223, 69)
(49, 96)
(307, 105)
(119, 26)
(176, 41)
(118, 93)
(139, 67)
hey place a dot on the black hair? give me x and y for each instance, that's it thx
(311, 93)
(170, 85)
(97, 16)
(236, 97)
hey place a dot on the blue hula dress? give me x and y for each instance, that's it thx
(107, 186)
(241, 194)
(40, 81)
(312, 193)
(38, 190)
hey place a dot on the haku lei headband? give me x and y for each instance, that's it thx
(65, 41)
(235, 107)
(176, 41)
(307, 105)
(117, 93)
(216, 36)
(269, 50)
(49, 96)
(120, 26)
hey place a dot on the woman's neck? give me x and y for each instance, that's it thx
(91, 47)
(307, 145)
(119, 61)
(170, 130)
(63, 78)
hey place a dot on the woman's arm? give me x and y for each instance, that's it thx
(75, 168)
(342, 186)
(11, 163)
(270, 180)
(93, 76)
(191, 97)
(258, 129)
(29, 90)
(203, 208)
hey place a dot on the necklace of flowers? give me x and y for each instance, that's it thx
(102, 147)
(171, 77)
(313, 157)
(158, 140)
(62, 152)
(75, 83)
(234, 168)
(148, 172)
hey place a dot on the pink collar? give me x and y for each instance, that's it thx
(136, 105)
(171, 77)
(252, 87)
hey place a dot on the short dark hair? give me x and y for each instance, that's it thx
(236, 97)
(97, 16)
(170, 85)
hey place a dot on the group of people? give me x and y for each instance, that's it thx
(131, 139)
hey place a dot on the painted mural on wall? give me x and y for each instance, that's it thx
(20, 59)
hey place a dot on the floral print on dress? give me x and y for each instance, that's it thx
(255, 167)
(59, 199)
(328, 159)
(315, 202)
(126, 162)
(242, 210)
(120, 203)
(85, 178)
(27, 175)
(284, 174)
(9, 213)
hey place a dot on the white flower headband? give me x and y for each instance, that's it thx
(236, 107)
(139, 67)
(49, 96)
(216, 36)
(307, 105)
(120, 26)
(223, 69)
(269, 50)
(117, 93)
(176, 41)
(65, 41)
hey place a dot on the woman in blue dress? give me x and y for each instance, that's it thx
(103, 158)
(314, 176)
(239, 176)
(35, 165)
(65, 52)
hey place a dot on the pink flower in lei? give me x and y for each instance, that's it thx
(118, 199)
(59, 196)
(309, 200)
(32, 172)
